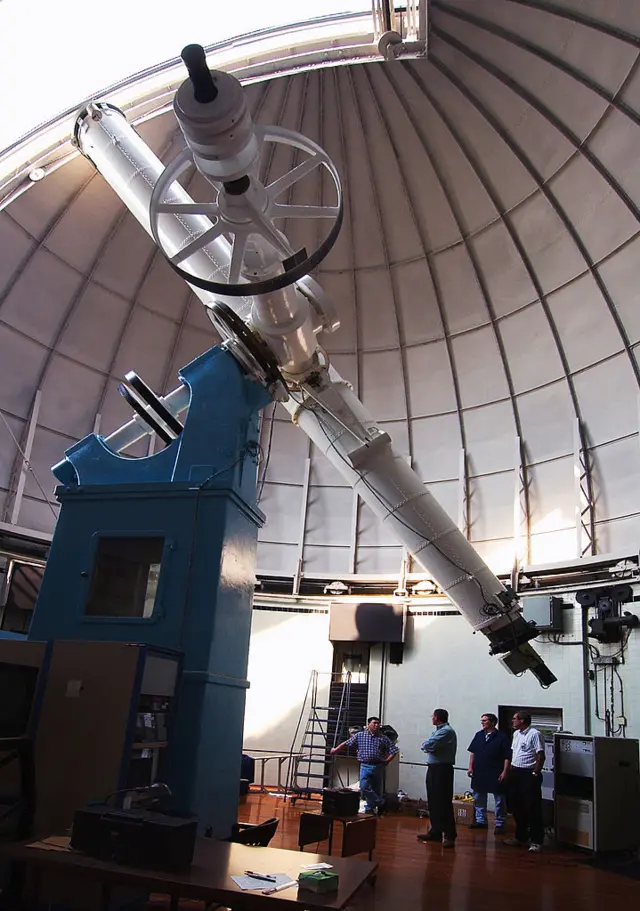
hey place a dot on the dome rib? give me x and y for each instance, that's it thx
(477, 271)
(542, 53)
(564, 13)
(544, 188)
(524, 93)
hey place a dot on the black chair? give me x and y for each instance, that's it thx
(256, 834)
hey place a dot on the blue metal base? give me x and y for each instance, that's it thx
(199, 496)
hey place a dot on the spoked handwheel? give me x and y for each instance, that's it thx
(244, 208)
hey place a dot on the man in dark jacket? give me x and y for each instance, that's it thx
(489, 761)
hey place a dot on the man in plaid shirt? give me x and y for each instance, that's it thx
(374, 750)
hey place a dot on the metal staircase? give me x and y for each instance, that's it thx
(326, 726)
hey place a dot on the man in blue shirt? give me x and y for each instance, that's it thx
(374, 751)
(441, 756)
(489, 761)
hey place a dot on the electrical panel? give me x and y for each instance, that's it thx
(545, 611)
(597, 792)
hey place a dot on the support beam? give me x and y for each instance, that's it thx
(521, 520)
(463, 494)
(583, 494)
(353, 545)
(26, 455)
(303, 520)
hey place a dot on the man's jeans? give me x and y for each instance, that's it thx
(480, 801)
(371, 784)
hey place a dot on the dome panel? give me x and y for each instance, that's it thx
(322, 472)
(65, 411)
(502, 173)
(551, 251)
(329, 517)
(336, 560)
(125, 261)
(504, 273)
(287, 452)
(552, 499)
(282, 506)
(548, 421)
(491, 507)
(531, 350)
(378, 314)
(44, 203)
(382, 386)
(38, 515)
(546, 148)
(585, 325)
(482, 378)
(419, 308)
(410, 122)
(42, 296)
(79, 236)
(8, 450)
(436, 444)
(459, 285)
(20, 370)
(614, 536)
(616, 472)
(620, 275)
(93, 331)
(490, 438)
(598, 388)
(592, 52)
(380, 168)
(16, 245)
(602, 220)
(162, 291)
(564, 97)
(615, 144)
(430, 386)
(146, 347)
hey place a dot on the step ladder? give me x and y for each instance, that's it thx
(326, 726)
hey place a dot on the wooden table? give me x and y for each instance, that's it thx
(358, 832)
(208, 878)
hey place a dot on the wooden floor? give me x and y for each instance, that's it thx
(480, 874)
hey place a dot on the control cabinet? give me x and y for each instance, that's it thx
(597, 792)
(104, 725)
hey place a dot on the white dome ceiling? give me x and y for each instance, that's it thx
(487, 277)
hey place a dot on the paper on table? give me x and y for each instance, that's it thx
(248, 882)
(316, 866)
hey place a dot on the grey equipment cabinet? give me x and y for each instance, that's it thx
(597, 792)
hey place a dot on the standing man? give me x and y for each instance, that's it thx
(489, 761)
(525, 780)
(374, 750)
(441, 756)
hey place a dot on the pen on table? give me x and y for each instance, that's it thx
(269, 879)
(293, 882)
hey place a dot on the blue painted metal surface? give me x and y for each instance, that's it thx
(199, 496)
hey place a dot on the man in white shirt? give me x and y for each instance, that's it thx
(525, 783)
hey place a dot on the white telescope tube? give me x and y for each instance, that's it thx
(131, 169)
(338, 423)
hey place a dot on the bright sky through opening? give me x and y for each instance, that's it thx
(55, 55)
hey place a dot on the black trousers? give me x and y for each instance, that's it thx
(439, 797)
(525, 802)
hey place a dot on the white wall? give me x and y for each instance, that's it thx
(285, 648)
(444, 665)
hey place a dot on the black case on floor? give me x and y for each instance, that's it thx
(340, 802)
(135, 838)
